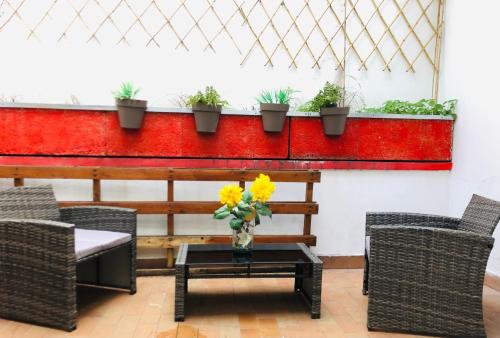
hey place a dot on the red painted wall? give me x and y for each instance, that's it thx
(373, 139)
(238, 142)
(76, 132)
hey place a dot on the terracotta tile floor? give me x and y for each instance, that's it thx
(228, 308)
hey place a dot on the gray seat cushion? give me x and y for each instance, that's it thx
(88, 242)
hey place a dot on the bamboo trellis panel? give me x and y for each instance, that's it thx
(335, 30)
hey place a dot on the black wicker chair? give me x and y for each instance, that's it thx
(39, 265)
(425, 273)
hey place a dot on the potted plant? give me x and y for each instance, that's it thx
(421, 107)
(273, 108)
(206, 107)
(130, 110)
(245, 209)
(326, 103)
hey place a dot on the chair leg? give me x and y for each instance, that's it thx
(365, 274)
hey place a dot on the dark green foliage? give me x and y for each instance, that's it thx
(210, 97)
(329, 96)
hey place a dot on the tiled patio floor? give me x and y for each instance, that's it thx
(229, 308)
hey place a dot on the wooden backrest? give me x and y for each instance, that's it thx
(170, 206)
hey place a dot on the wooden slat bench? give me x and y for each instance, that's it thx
(171, 207)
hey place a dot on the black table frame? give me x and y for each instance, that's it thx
(307, 276)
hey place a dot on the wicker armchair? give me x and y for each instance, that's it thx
(424, 273)
(39, 268)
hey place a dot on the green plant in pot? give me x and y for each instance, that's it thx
(326, 102)
(207, 107)
(273, 108)
(130, 110)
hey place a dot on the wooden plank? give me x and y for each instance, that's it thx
(46, 172)
(245, 175)
(170, 198)
(116, 173)
(18, 182)
(166, 242)
(96, 190)
(170, 223)
(193, 207)
(131, 173)
(308, 217)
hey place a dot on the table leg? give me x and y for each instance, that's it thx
(311, 288)
(298, 280)
(180, 292)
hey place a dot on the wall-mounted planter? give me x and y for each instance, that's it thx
(131, 113)
(334, 120)
(170, 133)
(273, 116)
(206, 117)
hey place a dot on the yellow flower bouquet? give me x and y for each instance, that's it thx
(245, 207)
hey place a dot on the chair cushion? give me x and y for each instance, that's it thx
(88, 242)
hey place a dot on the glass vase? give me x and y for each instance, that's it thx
(243, 238)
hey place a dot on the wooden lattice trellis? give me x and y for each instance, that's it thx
(337, 30)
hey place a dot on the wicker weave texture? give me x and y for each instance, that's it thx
(38, 272)
(425, 275)
(29, 203)
(108, 219)
(37, 256)
(481, 216)
(398, 218)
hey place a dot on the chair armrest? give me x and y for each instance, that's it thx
(101, 218)
(38, 272)
(409, 219)
(431, 277)
(442, 258)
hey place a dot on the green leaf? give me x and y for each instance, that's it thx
(210, 97)
(257, 219)
(244, 206)
(247, 196)
(243, 213)
(222, 215)
(264, 211)
(236, 223)
(421, 107)
(221, 209)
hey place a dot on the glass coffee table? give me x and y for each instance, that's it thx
(265, 261)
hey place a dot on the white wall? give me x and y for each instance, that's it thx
(344, 196)
(43, 70)
(470, 73)
(40, 68)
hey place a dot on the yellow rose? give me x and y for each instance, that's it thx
(231, 195)
(262, 188)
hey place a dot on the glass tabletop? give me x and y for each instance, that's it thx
(222, 254)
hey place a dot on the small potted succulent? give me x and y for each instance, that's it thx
(326, 102)
(130, 110)
(207, 108)
(273, 108)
